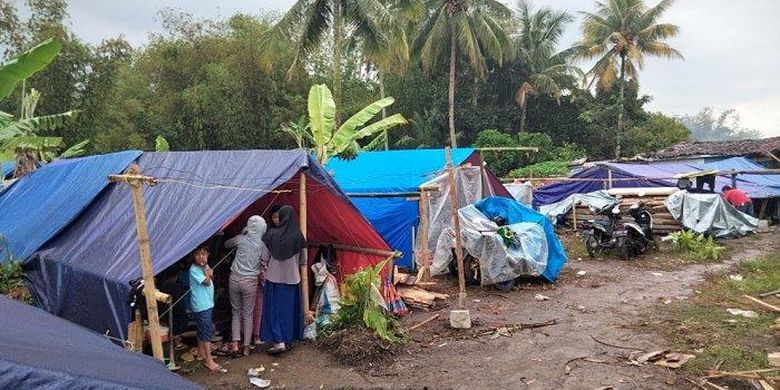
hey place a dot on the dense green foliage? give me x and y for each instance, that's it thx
(362, 305)
(696, 246)
(207, 84)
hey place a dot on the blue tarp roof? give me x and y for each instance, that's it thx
(658, 175)
(515, 212)
(392, 170)
(6, 168)
(82, 274)
(48, 199)
(42, 351)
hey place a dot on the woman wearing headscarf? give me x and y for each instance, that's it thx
(282, 312)
(251, 254)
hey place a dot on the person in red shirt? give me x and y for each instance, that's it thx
(738, 199)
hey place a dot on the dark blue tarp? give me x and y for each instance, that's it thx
(82, 274)
(43, 202)
(41, 351)
(515, 212)
(658, 175)
(6, 168)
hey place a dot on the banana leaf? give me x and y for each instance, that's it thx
(322, 113)
(26, 65)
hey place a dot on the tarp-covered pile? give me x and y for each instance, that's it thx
(41, 351)
(709, 213)
(534, 249)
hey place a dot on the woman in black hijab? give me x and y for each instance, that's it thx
(282, 320)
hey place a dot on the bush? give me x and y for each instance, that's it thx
(697, 246)
(12, 283)
(551, 168)
(362, 305)
(500, 162)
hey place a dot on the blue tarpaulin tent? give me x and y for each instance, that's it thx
(515, 212)
(379, 184)
(82, 274)
(658, 175)
(49, 198)
(41, 351)
(6, 168)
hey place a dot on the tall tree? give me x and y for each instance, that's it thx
(619, 35)
(469, 27)
(547, 72)
(307, 24)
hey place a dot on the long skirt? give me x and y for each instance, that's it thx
(282, 313)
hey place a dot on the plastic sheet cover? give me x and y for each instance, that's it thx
(469, 190)
(710, 214)
(598, 199)
(522, 192)
(527, 256)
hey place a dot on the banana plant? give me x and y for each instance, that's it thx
(329, 141)
(26, 65)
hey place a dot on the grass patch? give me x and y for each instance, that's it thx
(702, 324)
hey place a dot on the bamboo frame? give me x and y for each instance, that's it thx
(303, 216)
(357, 249)
(456, 223)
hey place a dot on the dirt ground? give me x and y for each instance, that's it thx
(609, 303)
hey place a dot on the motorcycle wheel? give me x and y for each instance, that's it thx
(505, 286)
(592, 246)
(624, 250)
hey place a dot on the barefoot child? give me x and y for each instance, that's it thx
(202, 301)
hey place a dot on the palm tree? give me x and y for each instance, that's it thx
(547, 72)
(619, 34)
(307, 24)
(472, 27)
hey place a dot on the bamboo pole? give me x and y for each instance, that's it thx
(136, 182)
(456, 224)
(358, 249)
(303, 215)
(609, 178)
(424, 276)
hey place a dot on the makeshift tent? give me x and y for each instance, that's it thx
(385, 186)
(82, 274)
(709, 214)
(657, 175)
(46, 200)
(41, 351)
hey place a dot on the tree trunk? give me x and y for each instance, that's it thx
(384, 109)
(453, 59)
(622, 108)
(337, 47)
(523, 116)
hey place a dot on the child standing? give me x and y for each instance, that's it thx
(202, 302)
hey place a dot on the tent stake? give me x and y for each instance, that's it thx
(303, 211)
(136, 182)
(458, 318)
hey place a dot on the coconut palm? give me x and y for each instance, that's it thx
(468, 27)
(547, 72)
(307, 24)
(619, 35)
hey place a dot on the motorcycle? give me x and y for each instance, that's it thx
(610, 232)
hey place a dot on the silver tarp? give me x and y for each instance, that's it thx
(598, 199)
(522, 192)
(527, 256)
(709, 213)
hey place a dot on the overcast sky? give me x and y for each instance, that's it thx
(731, 48)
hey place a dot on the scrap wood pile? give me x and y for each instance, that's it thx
(663, 221)
(421, 299)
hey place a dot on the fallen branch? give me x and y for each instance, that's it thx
(699, 385)
(567, 369)
(616, 346)
(752, 374)
(435, 316)
(766, 294)
(512, 328)
(762, 303)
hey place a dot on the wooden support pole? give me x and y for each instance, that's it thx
(303, 215)
(455, 206)
(762, 210)
(574, 215)
(136, 182)
(609, 178)
(357, 249)
(424, 275)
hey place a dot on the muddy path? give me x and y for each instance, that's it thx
(606, 303)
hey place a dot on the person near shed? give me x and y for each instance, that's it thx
(251, 254)
(739, 199)
(202, 302)
(282, 311)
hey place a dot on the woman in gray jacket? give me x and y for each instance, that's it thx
(251, 255)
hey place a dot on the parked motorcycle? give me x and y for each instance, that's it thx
(609, 232)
